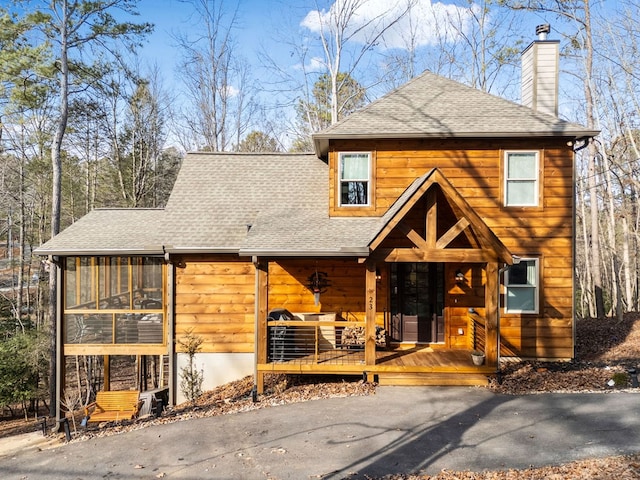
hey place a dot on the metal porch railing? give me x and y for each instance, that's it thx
(315, 342)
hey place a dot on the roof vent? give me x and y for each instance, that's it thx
(542, 31)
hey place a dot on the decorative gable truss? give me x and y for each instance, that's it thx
(432, 222)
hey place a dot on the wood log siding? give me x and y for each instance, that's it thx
(345, 295)
(474, 168)
(214, 298)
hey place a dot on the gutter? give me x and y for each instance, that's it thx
(148, 251)
(341, 252)
(321, 141)
(576, 134)
(100, 253)
(198, 250)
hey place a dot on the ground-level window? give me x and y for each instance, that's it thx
(355, 178)
(522, 289)
(521, 177)
(114, 300)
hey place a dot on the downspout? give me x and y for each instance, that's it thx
(256, 310)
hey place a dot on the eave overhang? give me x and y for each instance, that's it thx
(92, 252)
(339, 252)
(321, 140)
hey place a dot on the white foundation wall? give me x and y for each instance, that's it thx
(217, 368)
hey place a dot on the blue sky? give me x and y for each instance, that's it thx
(279, 26)
(172, 16)
(262, 22)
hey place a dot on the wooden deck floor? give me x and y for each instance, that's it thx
(406, 366)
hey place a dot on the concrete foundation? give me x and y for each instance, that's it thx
(217, 368)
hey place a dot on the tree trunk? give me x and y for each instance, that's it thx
(587, 276)
(592, 152)
(56, 164)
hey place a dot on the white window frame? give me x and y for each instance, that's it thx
(513, 181)
(366, 180)
(509, 288)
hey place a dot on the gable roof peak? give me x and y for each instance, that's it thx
(432, 106)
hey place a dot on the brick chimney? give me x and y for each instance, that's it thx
(540, 73)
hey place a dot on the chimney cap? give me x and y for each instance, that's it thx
(542, 30)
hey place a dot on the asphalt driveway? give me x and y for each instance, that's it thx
(398, 430)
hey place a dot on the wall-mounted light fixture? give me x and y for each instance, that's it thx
(378, 275)
(459, 277)
(318, 283)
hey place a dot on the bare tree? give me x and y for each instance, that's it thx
(72, 27)
(219, 87)
(478, 44)
(351, 22)
(577, 17)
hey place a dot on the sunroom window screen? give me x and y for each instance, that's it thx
(521, 178)
(522, 287)
(114, 300)
(354, 179)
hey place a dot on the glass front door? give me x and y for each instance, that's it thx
(417, 302)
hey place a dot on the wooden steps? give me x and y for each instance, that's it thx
(432, 379)
(400, 366)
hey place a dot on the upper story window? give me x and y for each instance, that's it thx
(522, 287)
(355, 178)
(521, 179)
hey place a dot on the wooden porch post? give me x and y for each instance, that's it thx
(261, 321)
(106, 361)
(491, 312)
(370, 318)
(171, 332)
(59, 357)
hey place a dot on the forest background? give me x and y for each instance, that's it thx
(92, 115)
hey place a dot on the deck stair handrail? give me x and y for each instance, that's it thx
(477, 332)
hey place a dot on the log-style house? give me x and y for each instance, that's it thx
(436, 221)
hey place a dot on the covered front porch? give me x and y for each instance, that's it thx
(321, 346)
(431, 248)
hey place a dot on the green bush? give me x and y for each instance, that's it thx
(23, 366)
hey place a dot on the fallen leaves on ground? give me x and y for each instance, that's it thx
(236, 397)
(605, 349)
(619, 468)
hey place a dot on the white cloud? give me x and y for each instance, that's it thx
(428, 22)
(315, 64)
(232, 91)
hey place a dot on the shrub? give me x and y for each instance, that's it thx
(191, 378)
(23, 366)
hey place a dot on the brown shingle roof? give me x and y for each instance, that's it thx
(434, 106)
(219, 197)
(110, 232)
(277, 204)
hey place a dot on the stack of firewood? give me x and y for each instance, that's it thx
(355, 336)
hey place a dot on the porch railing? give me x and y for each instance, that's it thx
(315, 342)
